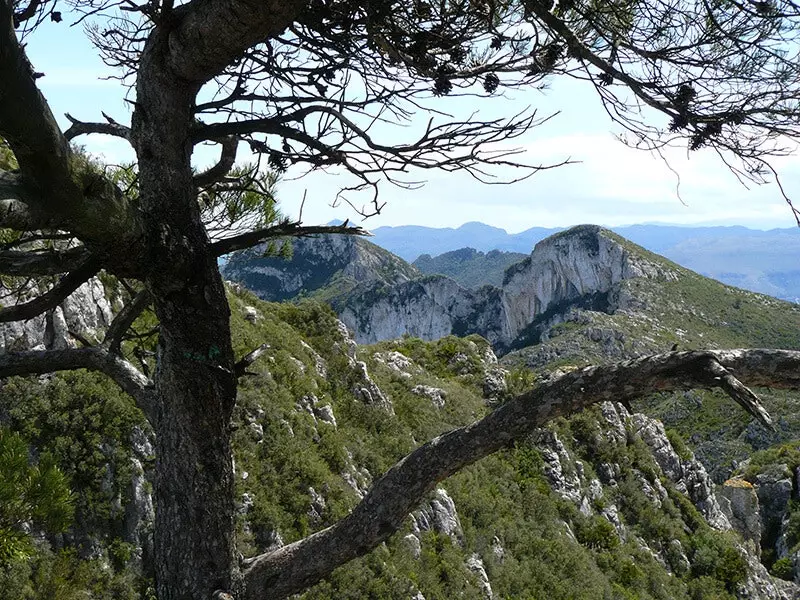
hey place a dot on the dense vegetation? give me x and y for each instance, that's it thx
(469, 267)
(298, 471)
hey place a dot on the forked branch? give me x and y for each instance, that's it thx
(291, 229)
(299, 565)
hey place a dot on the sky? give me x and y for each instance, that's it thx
(608, 183)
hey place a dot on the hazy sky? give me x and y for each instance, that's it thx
(610, 185)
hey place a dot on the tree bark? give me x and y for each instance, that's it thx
(194, 380)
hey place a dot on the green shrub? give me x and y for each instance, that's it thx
(29, 493)
(597, 533)
(782, 568)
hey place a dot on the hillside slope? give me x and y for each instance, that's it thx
(603, 505)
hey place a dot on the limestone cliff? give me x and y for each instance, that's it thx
(579, 267)
(86, 311)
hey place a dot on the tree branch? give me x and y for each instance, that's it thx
(299, 565)
(209, 35)
(121, 371)
(294, 229)
(53, 297)
(42, 262)
(110, 127)
(248, 359)
(124, 319)
(227, 158)
(30, 129)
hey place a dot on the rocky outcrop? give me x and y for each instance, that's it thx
(85, 312)
(576, 263)
(316, 263)
(570, 478)
(688, 474)
(739, 502)
(581, 267)
(438, 515)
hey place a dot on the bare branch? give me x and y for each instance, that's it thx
(293, 229)
(125, 319)
(297, 566)
(110, 127)
(121, 371)
(227, 158)
(41, 262)
(248, 359)
(53, 297)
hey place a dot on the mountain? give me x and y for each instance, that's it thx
(469, 267)
(335, 263)
(761, 261)
(583, 268)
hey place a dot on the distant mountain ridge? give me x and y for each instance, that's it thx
(767, 262)
(469, 267)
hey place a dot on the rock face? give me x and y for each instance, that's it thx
(85, 312)
(579, 262)
(339, 260)
(739, 502)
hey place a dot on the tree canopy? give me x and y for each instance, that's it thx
(324, 84)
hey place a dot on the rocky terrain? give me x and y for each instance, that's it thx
(86, 313)
(759, 261)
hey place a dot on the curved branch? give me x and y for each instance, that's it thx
(53, 297)
(294, 229)
(227, 158)
(42, 262)
(296, 566)
(124, 374)
(30, 129)
(209, 35)
(248, 359)
(125, 319)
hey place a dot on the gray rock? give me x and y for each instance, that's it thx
(475, 565)
(325, 414)
(414, 545)
(436, 395)
(86, 312)
(743, 511)
(317, 507)
(367, 390)
(494, 383)
(398, 362)
(439, 515)
(690, 476)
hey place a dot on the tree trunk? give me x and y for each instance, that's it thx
(195, 383)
